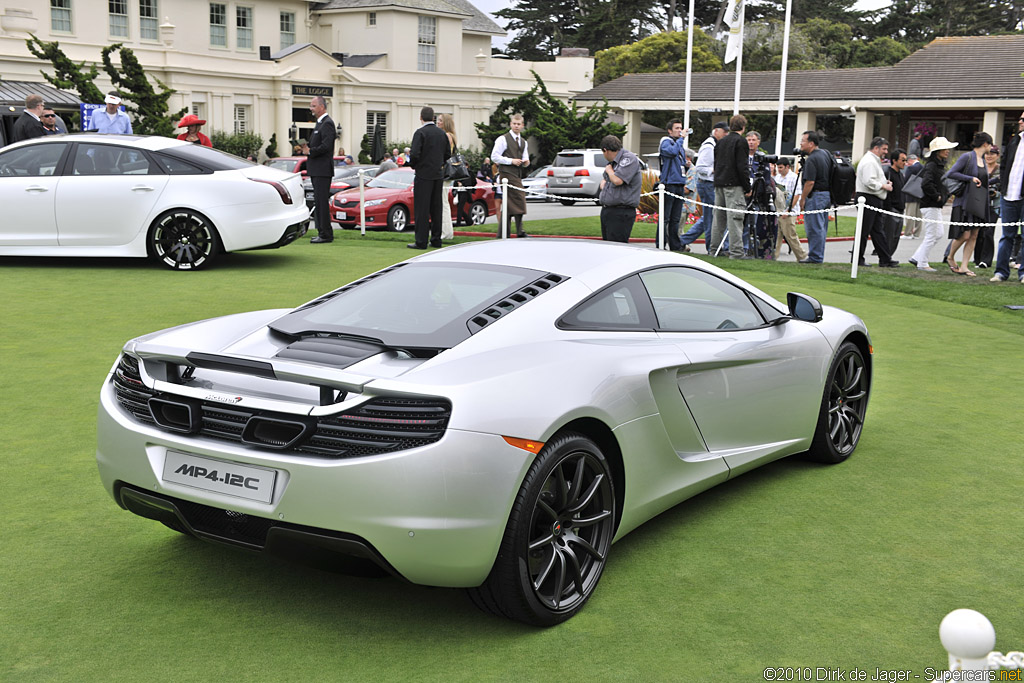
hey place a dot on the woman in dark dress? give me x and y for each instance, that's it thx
(984, 248)
(971, 169)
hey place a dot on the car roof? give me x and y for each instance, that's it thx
(149, 142)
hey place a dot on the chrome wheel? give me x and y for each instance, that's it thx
(843, 406)
(183, 240)
(558, 536)
(478, 213)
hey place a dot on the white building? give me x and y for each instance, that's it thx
(253, 64)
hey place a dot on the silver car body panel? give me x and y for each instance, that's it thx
(686, 411)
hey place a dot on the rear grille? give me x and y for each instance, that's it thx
(381, 425)
(226, 524)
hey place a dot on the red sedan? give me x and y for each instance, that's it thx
(389, 202)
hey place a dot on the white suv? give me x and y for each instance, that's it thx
(576, 175)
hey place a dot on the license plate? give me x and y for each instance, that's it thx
(309, 196)
(218, 476)
(341, 215)
(565, 181)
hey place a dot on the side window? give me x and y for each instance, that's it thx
(621, 306)
(690, 300)
(35, 160)
(177, 166)
(94, 159)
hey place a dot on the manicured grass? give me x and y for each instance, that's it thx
(794, 564)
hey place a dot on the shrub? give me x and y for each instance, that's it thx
(239, 144)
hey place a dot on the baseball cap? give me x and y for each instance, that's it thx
(721, 124)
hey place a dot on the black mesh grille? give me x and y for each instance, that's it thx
(382, 425)
(225, 524)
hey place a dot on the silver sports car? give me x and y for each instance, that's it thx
(490, 416)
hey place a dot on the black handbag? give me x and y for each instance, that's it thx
(953, 186)
(456, 168)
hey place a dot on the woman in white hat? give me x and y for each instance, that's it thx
(192, 123)
(934, 198)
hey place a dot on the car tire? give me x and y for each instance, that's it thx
(558, 536)
(398, 218)
(182, 239)
(843, 406)
(478, 213)
(567, 202)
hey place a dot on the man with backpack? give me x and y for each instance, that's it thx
(817, 169)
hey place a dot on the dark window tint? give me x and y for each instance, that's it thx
(690, 300)
(207, 158)
(175, 166)
(35, 160)
(573, 159)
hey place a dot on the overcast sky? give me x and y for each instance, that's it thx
(491, 6)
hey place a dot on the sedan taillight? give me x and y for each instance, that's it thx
(550, 173)
(582, 171)
(281, 189)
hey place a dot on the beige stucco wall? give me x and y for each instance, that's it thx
(219, 79)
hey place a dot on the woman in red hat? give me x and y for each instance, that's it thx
(192, 123)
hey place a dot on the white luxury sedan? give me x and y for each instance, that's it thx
(120, 195)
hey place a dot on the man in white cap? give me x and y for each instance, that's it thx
(111, 120)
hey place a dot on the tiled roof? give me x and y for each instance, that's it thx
(359, 61)
(474, 19)
(976, 67)
(13, 94)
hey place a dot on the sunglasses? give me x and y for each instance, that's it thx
(49, 116)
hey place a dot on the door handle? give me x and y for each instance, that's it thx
(142, 188)
(36, 188)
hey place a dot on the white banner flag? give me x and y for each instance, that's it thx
(734, 20)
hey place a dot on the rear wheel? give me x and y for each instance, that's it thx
(558, 536)
(478, 213)
(398, 218)
(843, 407)
(182, 239)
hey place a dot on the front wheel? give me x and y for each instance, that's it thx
(843, 406)
(182, 239)
(398, 218)
(558, 536)
(478, 213)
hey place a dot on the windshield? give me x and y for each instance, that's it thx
(418, 305)
(393, 179)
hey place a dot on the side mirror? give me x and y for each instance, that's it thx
(803, 307)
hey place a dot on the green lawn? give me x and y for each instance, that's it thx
(794, 564)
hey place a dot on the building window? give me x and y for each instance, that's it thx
(218, 24)
(377, 118)
(426, 52)
(371, 19)
(118, 18)
(149, 28)
(198, 110)
(243, 28)
(241, 118)
(287, 29)
(60, 15)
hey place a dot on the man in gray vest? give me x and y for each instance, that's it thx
(512, 157)
(620, 190)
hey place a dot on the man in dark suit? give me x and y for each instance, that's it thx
(429, 150)
(320, 168)
(29, 124)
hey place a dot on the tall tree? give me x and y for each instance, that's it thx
(67, 74)
(149, 105)
(917, 22)
(661, 52)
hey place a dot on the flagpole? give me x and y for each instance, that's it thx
(739, 64)
(689, 71)
(782, 79)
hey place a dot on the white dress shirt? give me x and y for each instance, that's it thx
(500, 147)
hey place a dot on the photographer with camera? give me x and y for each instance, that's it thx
(873, 186)
(815, 165)
(732, 187)
(760, 230)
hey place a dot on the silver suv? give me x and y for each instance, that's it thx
(576, 175)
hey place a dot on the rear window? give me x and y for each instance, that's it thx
(569, 159)
(207, 158)
(419, 305)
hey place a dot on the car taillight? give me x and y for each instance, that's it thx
(551, 173)
(281, 189)
(582, 171)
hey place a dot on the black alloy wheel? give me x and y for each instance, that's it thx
(843, 406)
(558, 536)
(182, 239)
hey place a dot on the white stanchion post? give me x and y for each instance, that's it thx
(362, 204)
(661, 241)
(968, 637)
(856, 236)
(503, 227)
